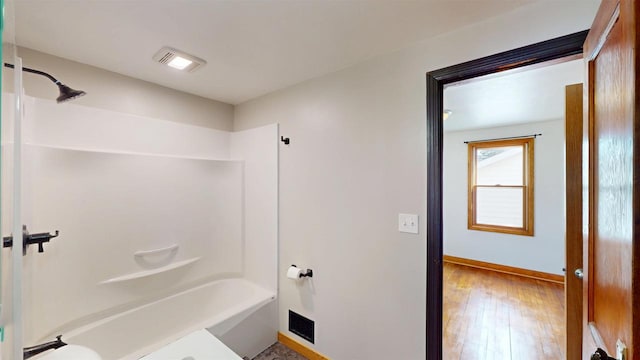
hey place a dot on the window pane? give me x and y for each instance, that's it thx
(499, 165)
(499, 206)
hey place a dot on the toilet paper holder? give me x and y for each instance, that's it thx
(307, 273)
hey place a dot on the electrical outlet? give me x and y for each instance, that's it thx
(621, 350)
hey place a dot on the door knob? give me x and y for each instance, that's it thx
(579, 274)
(601, 355)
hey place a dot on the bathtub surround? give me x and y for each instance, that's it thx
(119, 205)
(258, 149)
(151, 213)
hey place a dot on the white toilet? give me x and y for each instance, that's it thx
(71, 352)
(199, 345)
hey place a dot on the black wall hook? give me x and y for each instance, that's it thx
(284, 140)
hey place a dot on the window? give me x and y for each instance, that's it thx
(501, 186)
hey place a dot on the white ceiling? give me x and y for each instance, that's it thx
(252, 47)
(524, 96)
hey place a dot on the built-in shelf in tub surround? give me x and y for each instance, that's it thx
(168, 249)
(146, 273)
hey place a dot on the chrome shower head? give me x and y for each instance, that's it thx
(66, 93)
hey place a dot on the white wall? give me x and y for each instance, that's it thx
(357, 158)
(542, 252)
(111, 91)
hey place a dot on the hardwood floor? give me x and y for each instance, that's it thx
(489, 315)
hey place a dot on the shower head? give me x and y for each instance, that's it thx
(66, 93)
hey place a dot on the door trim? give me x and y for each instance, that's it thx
(573, 224)
(545, 51)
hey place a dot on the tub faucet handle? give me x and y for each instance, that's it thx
(40, 239)
(29, 239)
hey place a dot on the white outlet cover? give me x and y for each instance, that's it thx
(408, 223)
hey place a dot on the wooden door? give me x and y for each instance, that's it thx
(611, 211)
(573, 218)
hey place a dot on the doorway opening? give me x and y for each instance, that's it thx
(504, 137)
(559, 48)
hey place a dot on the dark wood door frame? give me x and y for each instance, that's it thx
(553, 49)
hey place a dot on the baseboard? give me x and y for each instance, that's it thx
(299, 348)
(532, 274)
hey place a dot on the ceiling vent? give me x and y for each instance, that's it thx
(178, 59)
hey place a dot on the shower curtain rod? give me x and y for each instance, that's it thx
(505, 138)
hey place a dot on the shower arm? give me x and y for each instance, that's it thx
(66, 93)
(34, 71)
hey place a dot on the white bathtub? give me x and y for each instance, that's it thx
(219, 306)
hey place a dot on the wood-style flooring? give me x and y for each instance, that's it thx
(490, 315)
